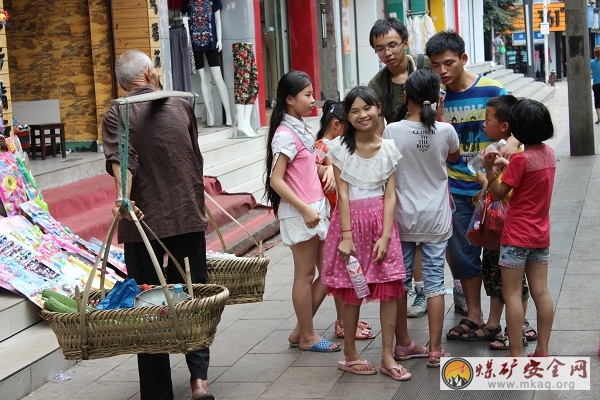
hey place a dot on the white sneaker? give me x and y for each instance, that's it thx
(419, 306)
(460, 304)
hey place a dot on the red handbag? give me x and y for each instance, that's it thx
(487, 223)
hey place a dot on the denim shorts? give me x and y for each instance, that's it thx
(516, 257)
(465, 259)
(434, 259)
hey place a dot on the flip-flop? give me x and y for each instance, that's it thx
(347, 367)
(387, 371)
(408, 354)
(322, 346)
(294, 345)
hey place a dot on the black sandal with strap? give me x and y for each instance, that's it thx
(460, 330)
(488, 335)
(503, 340)
(528, 329)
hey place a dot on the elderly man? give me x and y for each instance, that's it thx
(165, 181)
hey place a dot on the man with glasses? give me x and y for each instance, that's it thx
(389, 39)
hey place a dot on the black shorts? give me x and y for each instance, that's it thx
(213, 58)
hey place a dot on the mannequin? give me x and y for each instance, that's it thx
(245, 86)
(207, 45)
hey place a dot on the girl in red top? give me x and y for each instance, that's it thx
(526, 237)
(333, 122)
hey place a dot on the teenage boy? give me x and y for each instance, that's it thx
(464, 105)
(389, 39)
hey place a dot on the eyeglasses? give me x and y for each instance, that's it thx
(391, 47)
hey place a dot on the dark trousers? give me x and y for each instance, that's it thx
(155, 369)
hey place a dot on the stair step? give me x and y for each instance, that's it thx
(259, 221)
(526, 91)
(81, 196)
(509, 78)
(230, 149)
(93, 222)
(28, 360)
(239, 170)
(236, 204)
(16, 314)
(74, 168)
(252, 185)
(213, 134)
(518, 84)
(544, 94)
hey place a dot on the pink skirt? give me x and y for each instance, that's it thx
(384, 277)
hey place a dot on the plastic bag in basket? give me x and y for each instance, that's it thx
(487, 223)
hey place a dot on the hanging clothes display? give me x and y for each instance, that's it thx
(245, 79)
(180, 58)
(420, 29)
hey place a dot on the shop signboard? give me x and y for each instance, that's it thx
(520, 38)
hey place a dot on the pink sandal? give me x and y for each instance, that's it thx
(408, 352)
(388, 371)
(347, 367)
(438, 355)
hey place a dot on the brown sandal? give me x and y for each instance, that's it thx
(460, 330)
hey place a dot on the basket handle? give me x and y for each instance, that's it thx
(104, 249)
(218, 231)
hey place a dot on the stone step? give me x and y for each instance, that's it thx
(527, 91)
(54, 172)
(213, 134)
(16, 314)
(234, 172)
(28, 360)
(255, 186)
(518, 84)
(224, 151)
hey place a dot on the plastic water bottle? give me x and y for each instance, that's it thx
(179, 295)
(476, 162)
(358, 279)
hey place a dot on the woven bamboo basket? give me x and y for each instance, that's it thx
(140, 329)
(244, 277)
(175, 328)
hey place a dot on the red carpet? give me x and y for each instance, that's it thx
(85, 208)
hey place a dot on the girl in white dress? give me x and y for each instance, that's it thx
(363, 226)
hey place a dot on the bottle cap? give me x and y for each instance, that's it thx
(501, 142)
(178, 288)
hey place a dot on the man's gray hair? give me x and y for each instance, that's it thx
(131, 65)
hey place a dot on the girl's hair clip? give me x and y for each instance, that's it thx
(331, 109)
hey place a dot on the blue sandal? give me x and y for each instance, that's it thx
(322, 346)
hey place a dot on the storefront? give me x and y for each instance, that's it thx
(556, 41)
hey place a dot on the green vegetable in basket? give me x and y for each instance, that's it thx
(66, 301)
(54, 305)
